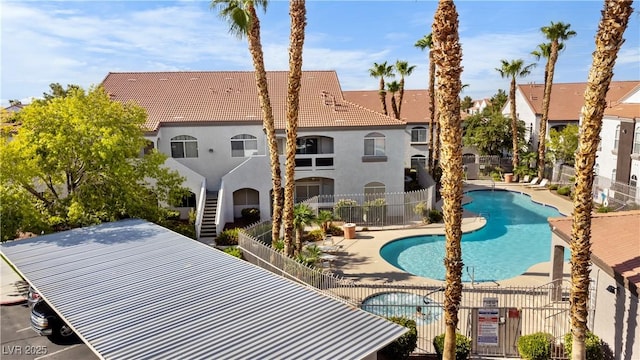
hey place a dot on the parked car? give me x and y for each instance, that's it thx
(32, 297)
(45, 321)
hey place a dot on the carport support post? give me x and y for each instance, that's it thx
(557, 272)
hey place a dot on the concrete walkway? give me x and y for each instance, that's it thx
(359, 259)
(13, 289)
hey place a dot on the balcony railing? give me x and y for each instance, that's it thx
(314, 162)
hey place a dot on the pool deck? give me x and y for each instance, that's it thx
(359, 258)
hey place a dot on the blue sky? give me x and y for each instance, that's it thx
(79, 42)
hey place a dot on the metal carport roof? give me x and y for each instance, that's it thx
(135, 290)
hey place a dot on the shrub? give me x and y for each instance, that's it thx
(375, 211)
(435, 216)
(278, 245)
(228, 237)
(593, 346)
(335, 230)
(565, 191)
(312, 236)
(604, 209)
(309, 255)
(535, 346)
(348, 211)
(181, 227)
(463, 346)
(234, 251)
(251, 215)
(404, 345)
(553, 187)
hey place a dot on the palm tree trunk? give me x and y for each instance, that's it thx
(394, 107)
(448, 55)
(514, 122)
(401, 98)
(297, 12)
(546, 101)
(432, 111)
(609, 39)
(255, 48)
(383, 96)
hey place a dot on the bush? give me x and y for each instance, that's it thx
(422, 209)
(251, 215)
(375, 211)
(604, 209)
(228, 237)
(535, 346)
(404, 345)
(593, 346)
(463, 346)
(312, 236)
(435, 216)
(565, 191)
(348, 211)
(234, 251)
(553, 187)
(335, 230)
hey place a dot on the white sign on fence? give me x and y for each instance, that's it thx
(488, 327)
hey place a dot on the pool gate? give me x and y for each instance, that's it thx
(493, 317)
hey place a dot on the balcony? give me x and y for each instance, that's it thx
(311, 162)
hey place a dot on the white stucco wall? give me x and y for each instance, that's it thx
(526, 114)
(615, 317)
(605, 157)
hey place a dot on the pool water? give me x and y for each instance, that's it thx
(404, 304)
(515, 237)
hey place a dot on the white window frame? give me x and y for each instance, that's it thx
(374, 190)
(374, 144)
(419, 135)
(248, 144)
(636, 142)
(421, 159)
(616, 140)
(188, 145)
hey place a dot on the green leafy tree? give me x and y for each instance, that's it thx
(57, 90)
(497, 101)
(562, 145)
(491, 133)
(466, 103)
(76, 160)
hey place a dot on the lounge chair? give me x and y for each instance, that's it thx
(532, 182)
(526, 179)
(542, 185)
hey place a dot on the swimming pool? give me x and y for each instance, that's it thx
(515, 237)
(422, 309)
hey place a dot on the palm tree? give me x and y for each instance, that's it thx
(381, 71)
(609, 39)
(325, 219)
(556, 33)
(403, 69)
(244, 21)
(427, 42)
(512, 70)
(393, 88)
(297, 12)
(448, 56)
(303, 216)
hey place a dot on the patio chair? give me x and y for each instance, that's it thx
(532, 182)
(526, 179)
(542, 185)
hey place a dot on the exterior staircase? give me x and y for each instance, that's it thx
(208, 228)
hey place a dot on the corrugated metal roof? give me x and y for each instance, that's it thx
(135, 290)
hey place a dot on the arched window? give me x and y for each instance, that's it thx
(634, 181)
(244, 145)
(184, 146)
(374, 190)
(418, 161)
(613, 175)
(616, 140)
(374, 144)
(419, 134)
(636, 141)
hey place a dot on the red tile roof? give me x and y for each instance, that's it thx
(567, 98)
(231, 97)
(415, 105)
(615, 241)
